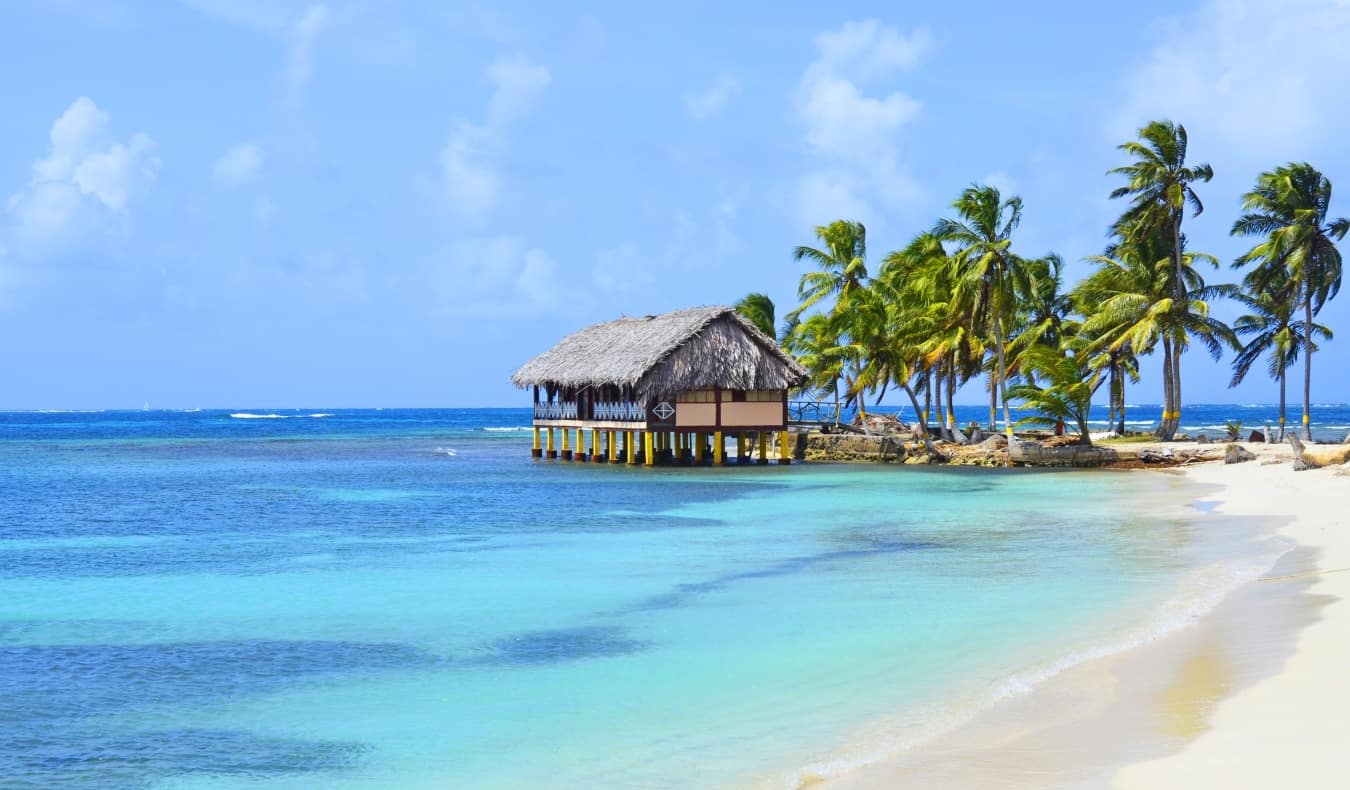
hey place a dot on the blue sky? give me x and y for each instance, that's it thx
(220, 203)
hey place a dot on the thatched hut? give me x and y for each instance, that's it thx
(673, 379)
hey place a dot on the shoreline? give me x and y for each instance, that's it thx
(1160, 713)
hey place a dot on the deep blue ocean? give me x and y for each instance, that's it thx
(403, 598)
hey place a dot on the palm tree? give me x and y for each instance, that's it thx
(1130, 308)
(919, 279)
(1159, 185)
(812, 342)
(842, 265)
(1288, 206)
(757, 308)
(1069, 383)
(988, 275)
(1273, 332)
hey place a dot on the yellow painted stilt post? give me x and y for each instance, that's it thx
(552, 453)
(784, 449)
(596, 455)
(610, 448)
(630, 445)
(566, 451)
(698, 447)
(648, 452)
(579, 451)
(763, 447)
(719, 448)
(536, 451)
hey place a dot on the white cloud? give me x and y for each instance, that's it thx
(86, 178)
(239, 165)
(499, 277)
(300, 41)
(856, 135)
(1212, 71)
(471, 158)
(518, 85)
(1006, 185)
(710, 102)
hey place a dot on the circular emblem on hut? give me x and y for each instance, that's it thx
(664, 410)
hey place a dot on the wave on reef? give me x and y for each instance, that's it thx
(248, 416)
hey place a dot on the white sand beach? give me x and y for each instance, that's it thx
(1292, 729)
(1254, 693)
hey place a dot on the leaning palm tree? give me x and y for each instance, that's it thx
(1288, 206)
(987, 274)
(1159, 187)
(1273, 333)
(841, 265)
(757, 308)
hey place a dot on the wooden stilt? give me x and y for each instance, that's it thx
(630, 447)
(613, 447)
(566, 451)
(719, 448)
(699, 442)
(784, 449)
(763, 447)
(552, 453)
(648, 451)
(536, 451)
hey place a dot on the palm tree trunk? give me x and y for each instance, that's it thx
(1307, 363)
(1002, 376)
(1167, 390)
(927, 381)
(1120, 382)
(923, 424)
(1112, 386)
(993, 404)
(951, 394)
(1283, 378)
(1176, 391)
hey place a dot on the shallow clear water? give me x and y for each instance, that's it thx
(403, 598)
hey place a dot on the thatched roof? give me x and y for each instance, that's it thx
(661, 355)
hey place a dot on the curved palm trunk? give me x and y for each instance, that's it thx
(923, 424)
(1307, 364)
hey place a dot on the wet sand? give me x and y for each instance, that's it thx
(1230, 700)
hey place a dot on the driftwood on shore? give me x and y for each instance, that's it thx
(1318, 456)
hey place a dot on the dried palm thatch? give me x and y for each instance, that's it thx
(661, 355)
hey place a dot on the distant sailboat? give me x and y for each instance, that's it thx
(146, 407)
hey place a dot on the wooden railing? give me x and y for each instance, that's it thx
(811, 411)
(604, 411)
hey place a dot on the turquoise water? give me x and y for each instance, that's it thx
(403, 598)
